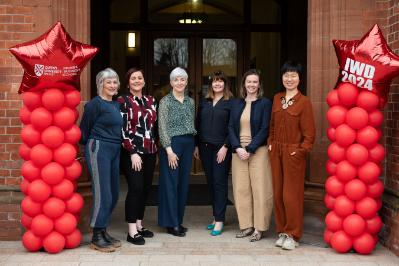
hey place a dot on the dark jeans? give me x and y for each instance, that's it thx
(173, 183)
(139, 185)
(217, 177)
(103, 162)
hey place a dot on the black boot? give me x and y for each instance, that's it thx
(115, 242)
(98, 242)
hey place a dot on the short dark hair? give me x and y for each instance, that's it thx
(130, 72)
(243, 91)
(292, 66)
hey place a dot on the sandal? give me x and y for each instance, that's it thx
(256, 236)
(245, 232)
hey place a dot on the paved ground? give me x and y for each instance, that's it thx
(198, 248)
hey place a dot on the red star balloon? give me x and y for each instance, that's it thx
(52, 58)
(368, 63)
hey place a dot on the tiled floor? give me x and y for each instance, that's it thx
(198, 247)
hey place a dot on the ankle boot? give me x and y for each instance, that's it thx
(98, 242)
(115, 242)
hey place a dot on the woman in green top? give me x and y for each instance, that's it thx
(176, 131)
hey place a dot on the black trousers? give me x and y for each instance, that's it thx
(139, 185)
(217, 178)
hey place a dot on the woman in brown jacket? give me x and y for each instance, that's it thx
(291, 136)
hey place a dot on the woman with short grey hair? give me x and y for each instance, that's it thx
(176, 131)
(101, 134)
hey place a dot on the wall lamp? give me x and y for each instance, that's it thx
(131, 40)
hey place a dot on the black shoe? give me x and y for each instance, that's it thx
(98, 242)
(175, 231)
(183, 229)
(144, 232)
(117, 243)
(137, 239)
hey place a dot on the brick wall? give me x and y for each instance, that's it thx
(390, 209)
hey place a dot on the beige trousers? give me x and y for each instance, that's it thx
(253, 190)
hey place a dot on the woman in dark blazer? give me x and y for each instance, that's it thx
(213, 143)
(251, 171)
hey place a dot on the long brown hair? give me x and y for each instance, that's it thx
(218, 75)
(243, 91)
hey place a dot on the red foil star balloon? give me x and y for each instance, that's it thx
(52, 58)
(368, 63)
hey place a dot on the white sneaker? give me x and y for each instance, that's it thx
(281, 239)
(290, 243)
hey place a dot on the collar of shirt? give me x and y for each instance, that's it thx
(185, 99)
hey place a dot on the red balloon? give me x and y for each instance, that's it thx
(344, 206)
(331, 167)
(333, 221)
(30, 135)
(54, 207)
(24, 152)
(327, 236)
(357, 118)
(329, 201)
(73, 240)
(64, 118)
(63, 190)
(42, 225)
(24, 185)
(41, 118)
(367, 207)
(354, 225)
(53, 99)
(355, 189)
(347, 94)
(357, 154)
(26, 220)
(73, 134)
(54, 242)
(65, 154)
(73, 171)
(30, 207)
(367, 136)
(53, 173)
(32, 100)
(39, 191)
(54, 48)
(375, 190)
(345, 171)
(75, 203)
(24, 115)
(336, 115)
(345, 135)
(369, 172)
(374, 225)
(377, 153)
(52, 137)
(364, 244)
(41, 155)
(334, 186)
(376, 118)
(72, 98)
(341, 242)
(332, 98)
(31, 242)
(336, 153)
(331, 134)
(367, 100)
(65, 224)
(29, 171)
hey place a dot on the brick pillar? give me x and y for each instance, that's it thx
(20, 21)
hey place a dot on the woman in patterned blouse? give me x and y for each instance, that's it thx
(138, 157)
(176, 131)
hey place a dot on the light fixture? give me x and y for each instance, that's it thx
(192, 18)
(131, 40)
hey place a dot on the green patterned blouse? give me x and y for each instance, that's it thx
(175, 118)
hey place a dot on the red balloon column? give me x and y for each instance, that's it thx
(52, 63)
(353, 190)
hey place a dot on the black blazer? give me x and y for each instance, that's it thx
(213, 121)
(260, 118)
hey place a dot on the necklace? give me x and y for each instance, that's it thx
(285, 103)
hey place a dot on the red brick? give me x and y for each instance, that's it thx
(12, 113)
(15, 172)
(12, 181)
(4, 156)
(20, 27)
(3, 173)
(9, 207)
(18, 10)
